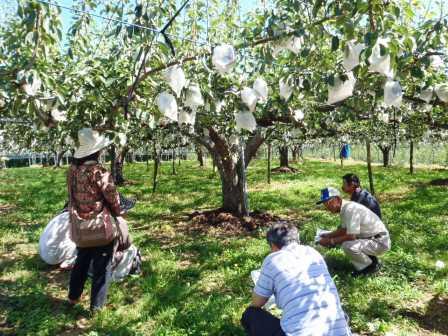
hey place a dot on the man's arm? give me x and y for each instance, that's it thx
(332, 240)
(337, 233)
(258, 301)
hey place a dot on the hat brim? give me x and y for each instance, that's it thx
(325, 200)
(83, 151)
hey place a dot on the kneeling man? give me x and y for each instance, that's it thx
(298, 277)
(362, 234)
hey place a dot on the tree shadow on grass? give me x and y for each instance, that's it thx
(435, 315)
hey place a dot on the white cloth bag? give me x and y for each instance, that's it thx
(55, 245)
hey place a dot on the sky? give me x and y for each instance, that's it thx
(7, 7)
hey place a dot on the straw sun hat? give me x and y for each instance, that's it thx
(90, 142)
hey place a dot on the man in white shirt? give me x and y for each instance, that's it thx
(303, 288)
(362, 234)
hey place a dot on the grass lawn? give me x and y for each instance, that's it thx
(199, 284)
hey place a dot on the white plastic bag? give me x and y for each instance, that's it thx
(167, 105)
(245, 120)
(285, 89)
(427, 94)
(298, 115)
(55, 245)
(278, 47)
(384, 117)
(440, 264)
(122, 139)
(378, 63)
(294, 44)
(442, 92)
(175, 78)
(351, 54)
(255, 275)
(125, 265)
(261, 88)
(187, 118)
(224, 58)
(58, 115)
(435, 61)
(33, 88)
(341, 89)
(249, 97)
(393, 94)
(194, 96)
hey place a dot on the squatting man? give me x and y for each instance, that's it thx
(362, 234)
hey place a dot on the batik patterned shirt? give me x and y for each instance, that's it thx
(92, 188)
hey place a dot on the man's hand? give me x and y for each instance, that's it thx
(258, 301)
(328, 242)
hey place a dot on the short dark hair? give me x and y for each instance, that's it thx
(282, 234)
(92, 157)
(352, 179)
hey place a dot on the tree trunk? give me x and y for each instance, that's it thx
(234, 188)
(369, 167)
(294, 153)
(130, 157)
(284, 161)
(200, 155)
(59, 157)
(117, 163)
(269, 162)
(173, 154)
(156, 158)
(411, 157)
(233, 174)
(386, 155)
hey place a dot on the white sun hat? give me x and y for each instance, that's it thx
(90, 142)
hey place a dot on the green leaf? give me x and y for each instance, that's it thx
(316, 7)
(349, 29)
(417, 73)
(370, 38)
(334, 43)
(305, 52)
(383, 50)
(138, 10)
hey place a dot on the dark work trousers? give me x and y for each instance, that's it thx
(101, 259)
(258, 322)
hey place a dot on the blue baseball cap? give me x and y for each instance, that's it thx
(327, 194)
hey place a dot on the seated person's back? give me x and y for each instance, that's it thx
(298, 277)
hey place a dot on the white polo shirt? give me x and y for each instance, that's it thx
(360, 220)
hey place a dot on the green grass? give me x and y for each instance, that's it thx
(198, 284)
